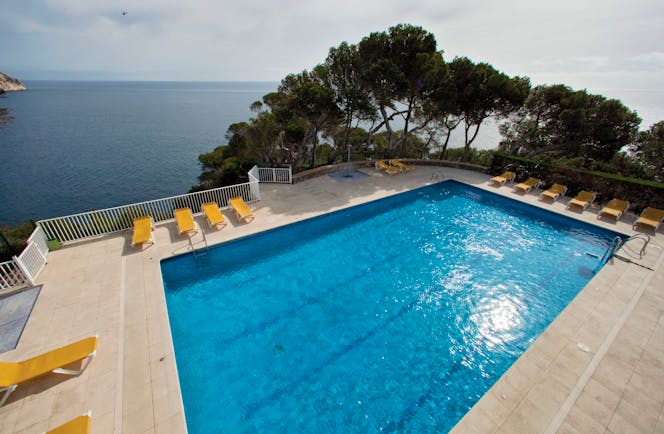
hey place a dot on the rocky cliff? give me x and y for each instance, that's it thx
(7, 83)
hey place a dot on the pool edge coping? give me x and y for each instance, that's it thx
(486, 186)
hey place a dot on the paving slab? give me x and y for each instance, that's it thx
(599, 361)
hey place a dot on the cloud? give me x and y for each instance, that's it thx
(259, 40)
(653, 61)
(572, 64)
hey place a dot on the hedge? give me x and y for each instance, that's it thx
(640, 193)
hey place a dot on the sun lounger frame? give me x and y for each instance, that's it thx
(554, 193)
(220, 224)
(526, 187)
(59, 370)
(614, 206)
(579, 201)
(503, 178)
(650, 217)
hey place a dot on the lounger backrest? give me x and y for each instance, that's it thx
(8, 372)
(184, 219)
(585, 196)
(618, 204)
(54, 359)
(212, 211)
(558, 188)
(653, 214)
(142, 220)
(240, 207)
(79, 425)
(209, 207)
(142, 229)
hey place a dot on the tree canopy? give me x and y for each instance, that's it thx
(649, 150)
(394, 95)
(558, 122)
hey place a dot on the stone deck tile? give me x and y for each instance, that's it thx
(106, 287)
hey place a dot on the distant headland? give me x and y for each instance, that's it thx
(8, 83)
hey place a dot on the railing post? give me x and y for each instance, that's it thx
(290, 174)
(24, 270)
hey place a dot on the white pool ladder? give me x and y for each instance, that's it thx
(618, 242)
(437, 175)
(201, 250)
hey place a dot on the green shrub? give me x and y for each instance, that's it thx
(475, 156)
(641, 193)
(13, 240)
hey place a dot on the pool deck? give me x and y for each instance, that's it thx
(599, 367)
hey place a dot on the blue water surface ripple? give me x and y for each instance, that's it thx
(394, 316)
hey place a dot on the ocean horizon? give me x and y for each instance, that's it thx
(78, 145)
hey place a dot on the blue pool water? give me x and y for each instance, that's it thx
(393, 316)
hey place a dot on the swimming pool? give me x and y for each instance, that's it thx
(396, 315)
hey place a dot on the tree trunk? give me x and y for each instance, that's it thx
(404, 135)
(390, 133)
(344, 147)
(314, 142)
(467, 143)
(447, 140)
(449, 128)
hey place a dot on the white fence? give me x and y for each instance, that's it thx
(94, 223)
(11, 276)
(25, 268)
(33, 257)
(254, 181)
(274, 175)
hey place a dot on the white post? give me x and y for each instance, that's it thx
(290, 174)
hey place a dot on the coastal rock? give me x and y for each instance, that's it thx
(8, 83)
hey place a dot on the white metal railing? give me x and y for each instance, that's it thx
(254, 182)
(11, 276)
(25, 268)
(33, 257)
(275, 175)
(94, 223)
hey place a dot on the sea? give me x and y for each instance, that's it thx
(75, 146)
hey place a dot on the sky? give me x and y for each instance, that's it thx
(609, 47)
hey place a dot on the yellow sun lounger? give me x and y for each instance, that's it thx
(651, 217)
(185, 221)
(583, 199)
(502, 179)
(242, 211)
(143, 228)
(380, 164)
(396, 163)
(528, 184)
(616, 208)
(213, 215)
(554, 192)
(14, 373)
(78, 425)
